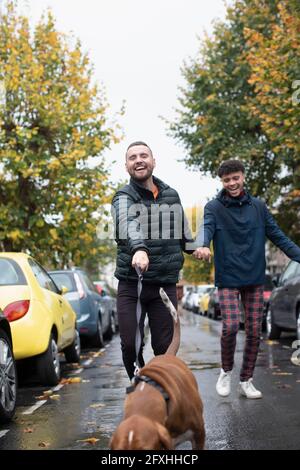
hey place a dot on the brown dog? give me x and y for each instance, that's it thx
(150, 421)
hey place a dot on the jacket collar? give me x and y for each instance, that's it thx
(138, 187)
(228, 201)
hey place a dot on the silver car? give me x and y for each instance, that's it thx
(283, 312)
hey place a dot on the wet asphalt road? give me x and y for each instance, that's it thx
(82, 414)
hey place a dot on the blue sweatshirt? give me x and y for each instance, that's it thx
(238, 228)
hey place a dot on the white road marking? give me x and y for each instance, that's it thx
(88, 362)
(78, 371)
(34, 407)
(58, 387)
(2, 433)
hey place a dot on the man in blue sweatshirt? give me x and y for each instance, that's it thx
(238, 225)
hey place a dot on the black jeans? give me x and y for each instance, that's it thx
(160, 320)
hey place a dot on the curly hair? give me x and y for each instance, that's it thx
(230, 166)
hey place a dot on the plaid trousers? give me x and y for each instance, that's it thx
(253, 302)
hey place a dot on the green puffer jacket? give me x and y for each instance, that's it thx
(145, 223)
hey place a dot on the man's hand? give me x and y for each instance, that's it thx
(202, 253)
(141, 260)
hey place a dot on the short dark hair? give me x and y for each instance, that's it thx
(138, 142)
(230, 166)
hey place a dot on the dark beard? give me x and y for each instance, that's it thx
(142, 179)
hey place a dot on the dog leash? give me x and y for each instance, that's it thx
(138, 338)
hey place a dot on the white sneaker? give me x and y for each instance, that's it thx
(248, 390)
(223, 383)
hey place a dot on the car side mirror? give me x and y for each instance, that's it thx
(63, 290)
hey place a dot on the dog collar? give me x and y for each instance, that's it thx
(144, 378)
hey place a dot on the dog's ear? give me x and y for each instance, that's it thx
(164, 437)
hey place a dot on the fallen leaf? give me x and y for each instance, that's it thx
(270, 341)
(90, 440)
(75, 380)
(47, 393)
(64, 381)
(85, 381)
(55, 397)
(97, 405)
(28, 430)
(44, 444)
(97, 354)
(286, 347)
(41, 397)
(284, 386)
(91, 423)
(71, 380)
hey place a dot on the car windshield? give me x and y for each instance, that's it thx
(10, 273)
(64, 279)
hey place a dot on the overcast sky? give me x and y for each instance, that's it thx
(138, 48)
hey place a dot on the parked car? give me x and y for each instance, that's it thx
(187, 298)
(109, 297)
(283, 312)
(197, 295)
(94, 317)
(213, 310)
(204, 301)
(8, 372)
(268, 288)
(42, 322)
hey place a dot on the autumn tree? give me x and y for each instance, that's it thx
(53, 125)
(195, 271)
(215, 121)
(274, 60)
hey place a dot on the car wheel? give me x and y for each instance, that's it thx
(72, 352)
(273, 331)
(8, 379)
(48, 365)
(97, 340)
(112, 329)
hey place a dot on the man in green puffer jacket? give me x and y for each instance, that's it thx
(150, 232)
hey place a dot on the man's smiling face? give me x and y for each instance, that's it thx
(233, 183)
(140, 162)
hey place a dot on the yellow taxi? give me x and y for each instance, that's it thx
(42, 321)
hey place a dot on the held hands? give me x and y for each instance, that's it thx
(202, 253)
(141, 260)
